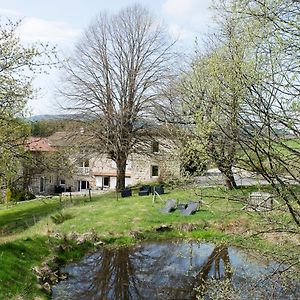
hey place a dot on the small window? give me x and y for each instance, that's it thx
(155, 146)
(42, 184)
(105, 181)
(62, 182)
(85, 163)
(154, 171)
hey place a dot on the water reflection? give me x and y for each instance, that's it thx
(185, 270)
(113, 276)
(218, 263)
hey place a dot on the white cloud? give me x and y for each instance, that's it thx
(188, 19)
(9, 12)
(35, 29)
(187, 9)
(178, 32)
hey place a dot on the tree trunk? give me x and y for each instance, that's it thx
(229, 177)
(121, 169)
(230, 183)
(223, 160)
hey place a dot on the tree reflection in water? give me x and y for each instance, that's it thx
(218, 257)
(112, 276)
(154, 271)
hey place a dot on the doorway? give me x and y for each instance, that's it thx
(83, 185)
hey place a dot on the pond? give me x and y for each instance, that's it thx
(174, 270)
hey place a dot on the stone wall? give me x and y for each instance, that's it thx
(139, 169)
(49, 182)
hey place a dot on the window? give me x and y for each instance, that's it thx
(83, 185)
(62, 182)
(84, 166)
(155, 146)
(154, 171)
(84, 163)
(42, 184)
(105, 181)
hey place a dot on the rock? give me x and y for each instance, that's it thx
(63, 276)
(53, 278)
(81, 240)
(163, 228)
(87, 237)
(37, 271)
(46, 286)
(99, 243)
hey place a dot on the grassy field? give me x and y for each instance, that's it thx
(25, 228)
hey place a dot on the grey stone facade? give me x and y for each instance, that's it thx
(99, 172)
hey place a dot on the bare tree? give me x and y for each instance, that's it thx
(113, 78)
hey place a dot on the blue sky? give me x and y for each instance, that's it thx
(62, 22)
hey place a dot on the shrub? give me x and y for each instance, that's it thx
(21, 195)
(60, 217)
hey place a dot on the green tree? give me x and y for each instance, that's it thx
(18, 65)
(45, 128)
(211, 95)
(270, 115)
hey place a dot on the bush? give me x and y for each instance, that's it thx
(21, 195)
(60, 217)
(8, 194)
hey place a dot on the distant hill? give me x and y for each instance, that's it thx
(54, 117)
(47, 117)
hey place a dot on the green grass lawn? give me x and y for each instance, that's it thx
(24, 215)
(24, 228)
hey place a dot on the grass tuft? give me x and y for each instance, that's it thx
(60, 217)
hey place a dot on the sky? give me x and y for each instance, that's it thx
(61, 23)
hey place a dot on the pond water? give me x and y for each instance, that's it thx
(174, 270)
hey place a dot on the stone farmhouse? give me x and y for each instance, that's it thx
(97, 172)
